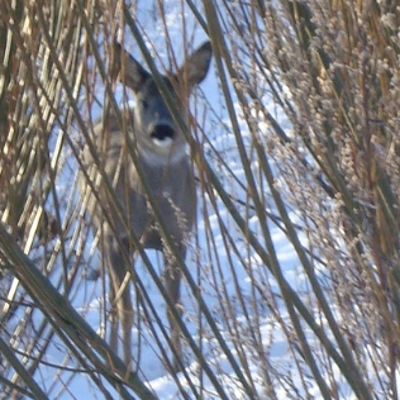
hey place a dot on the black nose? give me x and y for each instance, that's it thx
(162, 132)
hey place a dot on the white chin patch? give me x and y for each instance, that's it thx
(165, 143)
(163, 158)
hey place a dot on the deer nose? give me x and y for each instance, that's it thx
(162, 132)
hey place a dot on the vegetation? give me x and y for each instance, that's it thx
(300, 146)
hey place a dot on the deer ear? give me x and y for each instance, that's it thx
(195, 68)
(130, 72)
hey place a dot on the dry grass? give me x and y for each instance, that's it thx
(322, 166)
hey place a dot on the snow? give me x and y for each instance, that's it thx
(224, 269)
(226, 280)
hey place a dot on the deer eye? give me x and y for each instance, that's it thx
(144, 104)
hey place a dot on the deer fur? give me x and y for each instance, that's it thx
(160, 149)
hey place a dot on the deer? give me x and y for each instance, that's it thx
(160, 148)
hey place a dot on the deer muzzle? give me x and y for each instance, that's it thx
(163, 135)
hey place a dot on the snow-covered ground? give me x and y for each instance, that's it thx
(234, 283)
(226, 279)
